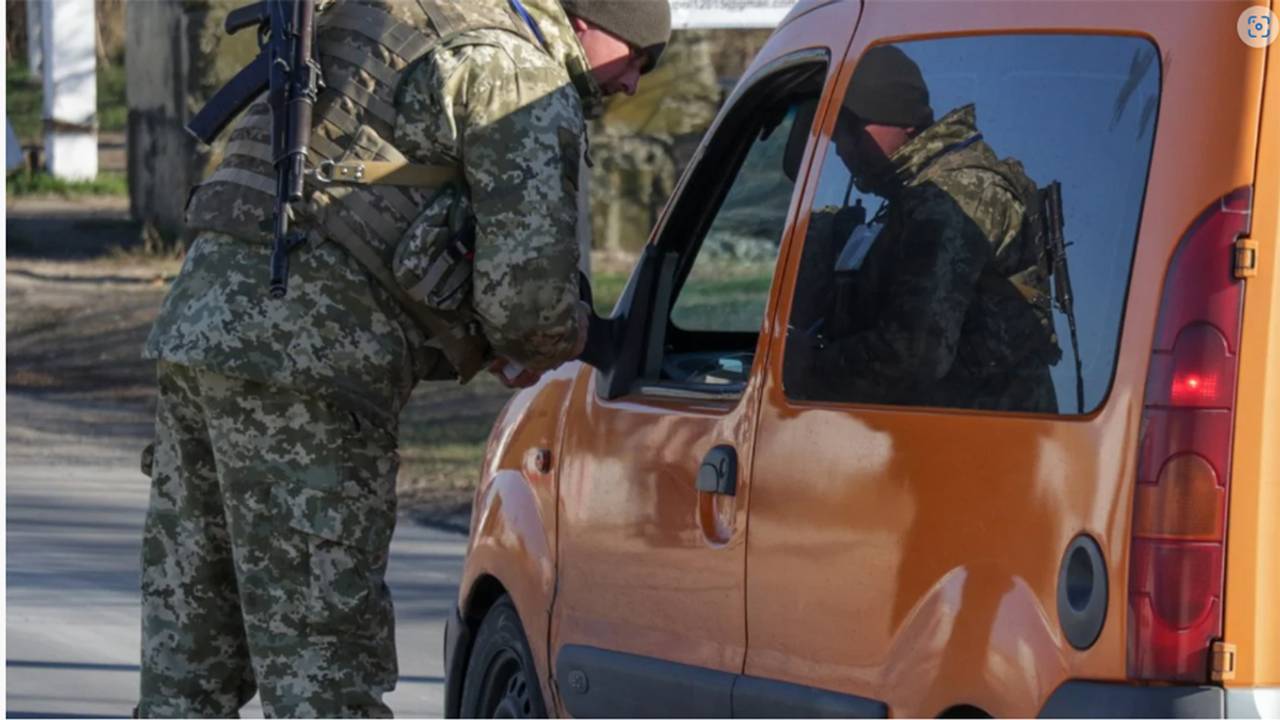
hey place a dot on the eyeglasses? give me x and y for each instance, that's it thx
(636, 53)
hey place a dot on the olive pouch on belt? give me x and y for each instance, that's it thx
(435, 260)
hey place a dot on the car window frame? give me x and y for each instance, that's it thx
(678, 239)
(819, 152)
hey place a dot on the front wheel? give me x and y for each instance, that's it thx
(501, 680)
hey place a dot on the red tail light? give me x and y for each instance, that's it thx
(1178, 557)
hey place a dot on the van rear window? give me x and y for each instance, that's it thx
(961, 171)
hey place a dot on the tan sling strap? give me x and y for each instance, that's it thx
(379, 172)
(355, 172)
(466, 358)
(401, 199)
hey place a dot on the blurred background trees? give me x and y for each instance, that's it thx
(642, 143)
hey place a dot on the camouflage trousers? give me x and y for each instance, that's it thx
(264, 553)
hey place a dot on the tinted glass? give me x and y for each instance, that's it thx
(931, 280)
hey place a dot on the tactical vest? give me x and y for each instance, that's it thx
(365, 194)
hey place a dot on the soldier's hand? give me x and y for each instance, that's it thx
(512, 375)
(584, 328)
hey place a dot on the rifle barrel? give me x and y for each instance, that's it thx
(294, 77)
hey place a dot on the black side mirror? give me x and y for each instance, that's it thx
(616, 345)
(602, 343)
(601, 347)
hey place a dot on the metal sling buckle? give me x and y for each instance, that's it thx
(329, 171)
(323, 173)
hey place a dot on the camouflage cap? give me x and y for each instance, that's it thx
(645, 24)
(888, 89)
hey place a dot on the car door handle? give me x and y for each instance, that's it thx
(718, 473)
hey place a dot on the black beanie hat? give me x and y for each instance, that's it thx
(888, 89)
(645, 24)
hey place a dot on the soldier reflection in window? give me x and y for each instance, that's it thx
(941, 298)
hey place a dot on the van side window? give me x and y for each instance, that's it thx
(973, 231)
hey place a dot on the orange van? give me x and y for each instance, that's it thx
(703, 529)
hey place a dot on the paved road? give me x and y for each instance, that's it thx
(75, 506)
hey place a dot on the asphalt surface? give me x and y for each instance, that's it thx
(75, 506)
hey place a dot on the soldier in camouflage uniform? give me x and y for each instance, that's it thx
(950, 305)
(273, 468)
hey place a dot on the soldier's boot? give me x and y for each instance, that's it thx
(309, 492)
(195, 657)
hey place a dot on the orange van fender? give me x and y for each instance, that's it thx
(512, 544)
(509, 553)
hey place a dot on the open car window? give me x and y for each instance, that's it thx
(720, 247)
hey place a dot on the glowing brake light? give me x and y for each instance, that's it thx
(1191, 389)
(1178, 550)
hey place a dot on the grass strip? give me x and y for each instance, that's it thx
(42, 183)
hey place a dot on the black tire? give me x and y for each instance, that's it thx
(501, 679)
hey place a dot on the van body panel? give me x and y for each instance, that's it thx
(512, 538)
(924, 572)
(1253, 530)
(905, 557)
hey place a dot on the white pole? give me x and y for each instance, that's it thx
(70, 88)
(35, 39)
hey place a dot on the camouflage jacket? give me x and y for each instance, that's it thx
(511, 113)
(950, 307)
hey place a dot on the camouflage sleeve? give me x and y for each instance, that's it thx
(938, 259)
(517, 128)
